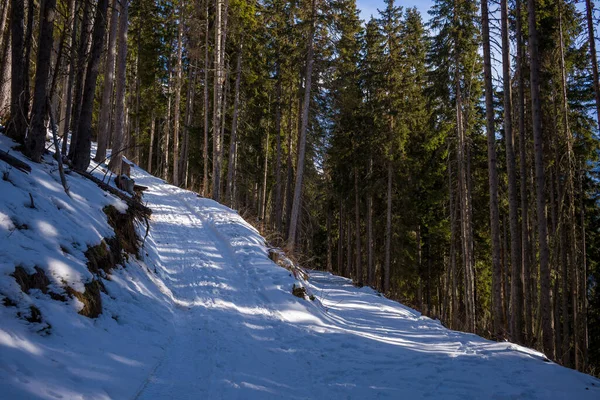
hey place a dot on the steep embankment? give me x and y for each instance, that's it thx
(203, 314)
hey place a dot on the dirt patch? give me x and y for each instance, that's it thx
(37, 280)
(104, 256)
(124, 227)
(299, 291)
(91, 298)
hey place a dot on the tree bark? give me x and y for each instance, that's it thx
(359, 271)
(370, 265)
(109, 77)
(234, 125)
(217, 93)
(18, 113)
(119, 139)
(303, 130)
(34, 144)
(497, 317)
(69, 80)
(540, 178)
(388, 230)
(589, 6)
(206, 65)
(176, 106)
(81, 157)
(516, 289)
(80, 69)
(278, 206)
(525, 244)
(151, 149)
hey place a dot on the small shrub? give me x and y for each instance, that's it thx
(299, 291)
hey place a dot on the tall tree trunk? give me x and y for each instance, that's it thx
(570, 192)
(206, 65)
(370, 264)
(329, 264)
(3, 19)
(34, 144)
(388, 229)
(18, 116)
(540, 178)
(589, 6)
(28, 47)
(359, 271)
(82, 48)
(151, 149)
(189, 112)
(525, 244)
(234, 124)
(498, 329)
(81, 157)
(278, 206)
(516, 288)
(217, 93)
(5, 66)
(303, 130)
(109, 77)
(340, 250)
(69, 80)
(119, 139)
(176, 106)
(167, 133)
(263, 204)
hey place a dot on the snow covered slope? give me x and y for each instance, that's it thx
(204, 314)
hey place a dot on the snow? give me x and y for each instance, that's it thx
(205, 314)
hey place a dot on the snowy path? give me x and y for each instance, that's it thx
(239, 333)
(204, 314)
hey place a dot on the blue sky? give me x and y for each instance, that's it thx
(369, 7)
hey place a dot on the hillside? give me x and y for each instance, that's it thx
(203, 312)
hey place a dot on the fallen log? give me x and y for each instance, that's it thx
(15, 162)
(131, 202)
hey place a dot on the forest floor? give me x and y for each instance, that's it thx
(203, 313)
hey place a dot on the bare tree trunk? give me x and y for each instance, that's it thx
(205, 148)
(176, 106)
(348, 271)
(359, 271)
(217, 92)
(329, 264)
(189, 112)
(82, 48)
(388, 230)
(263, 204)
(234, 124)
(278, 206)
(5, 67)
(370, 264)
(516, 292)
(570, 192)
(340, 254)
(525, 244)
(68, 89)
(151, 149)
(30, 10)
(81, 157)
(109, 77)
(303, 129)
(167, 132)
(34, 144)
(18, 117)
(536, 116)
(119, 139)
(497, 319)
(3, 19)
(589, 6)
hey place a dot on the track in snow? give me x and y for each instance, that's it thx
(239, 333)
